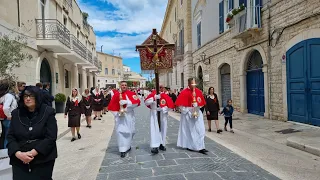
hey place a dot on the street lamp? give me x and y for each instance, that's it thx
(203, 58)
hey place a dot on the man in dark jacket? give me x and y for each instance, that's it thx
(47, 97)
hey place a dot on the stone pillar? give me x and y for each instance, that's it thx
(243, 93)
(74, 80)
(266, 91)
(90, 79)
(84, 79)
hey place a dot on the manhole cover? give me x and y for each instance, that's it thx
(287, 131)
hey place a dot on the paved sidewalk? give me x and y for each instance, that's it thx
(261, 141)
(81, 159)
(175, 163)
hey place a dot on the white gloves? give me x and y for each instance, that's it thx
(157, 96)
(123, 102)
(195, 104)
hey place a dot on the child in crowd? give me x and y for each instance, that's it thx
(228, 111)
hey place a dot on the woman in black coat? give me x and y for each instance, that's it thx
(87, 103)
(97, 104)
(32, 138)
(74, 109)
(106, 101)
(212, 109)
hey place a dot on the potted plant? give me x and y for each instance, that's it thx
(229, 18)
(60, 100)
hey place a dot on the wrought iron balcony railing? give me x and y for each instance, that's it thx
(250, 18)
(78, 47)
(178, 51)
(67, 3)
(90, 57)
(52, 29)
(100, 65)
(95, 61)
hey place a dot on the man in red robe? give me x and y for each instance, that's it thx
(125, 122)
(158, 139)
(191, 131)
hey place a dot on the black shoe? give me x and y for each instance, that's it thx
(89, 126)
(100, 115)
(190, 150)
(225, 129)
(209, 130)
(122, 154)
(99, 119)
(129, 149)
(73, 139)
(95, 118)
(219, 131)
(79, 136)
(162, 148)
(203, 151)
(154, 151)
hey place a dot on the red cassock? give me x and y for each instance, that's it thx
(185, 98)
(165, 100)
(114, 104)
(115, 91)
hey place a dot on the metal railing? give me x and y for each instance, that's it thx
(95, 61)
(78, 47)
(249, 18)
(178, 51)
(67, 3)
(90, 57)
(52, 29)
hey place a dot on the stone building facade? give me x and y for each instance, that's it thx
(112, 70)
(176, 29)
(62, 43)
(272, 50)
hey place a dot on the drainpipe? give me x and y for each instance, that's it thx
(269, 57)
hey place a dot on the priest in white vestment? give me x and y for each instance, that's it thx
(122, 107)
(158, 135)
(192, 130)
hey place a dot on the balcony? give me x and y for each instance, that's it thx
(100, 66)
(53, 36)
(67, 5)
(78, 52)
(247, 23)
(95, 62)
(178, 53)
(90, 57)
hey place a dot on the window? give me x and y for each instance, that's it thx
(221, 17)
(181, 40)
(18, 6)
(106, 71)
(230, 5)
(199, 34)
(112, 60)
(243, 2)
(42, 4)
(66, 78)
(175, 14)
(113, 72)
(65, 21)
(88, 81)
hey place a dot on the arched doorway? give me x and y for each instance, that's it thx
(200, 78)
(225, 83)
(45, 73)
(303, 82)
(255, 84)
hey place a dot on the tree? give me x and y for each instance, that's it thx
(11, 55)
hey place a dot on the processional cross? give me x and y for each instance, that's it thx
(156, 60)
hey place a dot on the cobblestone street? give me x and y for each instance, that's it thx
(175, 163)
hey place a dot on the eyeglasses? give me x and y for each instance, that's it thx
(29, 96)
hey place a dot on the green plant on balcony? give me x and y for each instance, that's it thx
(229, 17)
(85, 17)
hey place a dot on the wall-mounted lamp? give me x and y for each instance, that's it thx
(203, 58)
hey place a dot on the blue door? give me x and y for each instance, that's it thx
(255, 85)
(303, 81)
(255, 92)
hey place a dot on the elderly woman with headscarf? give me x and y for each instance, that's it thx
(32, 137)
(74, 109)
(87, 103)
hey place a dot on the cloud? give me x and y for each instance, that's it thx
(120, 25)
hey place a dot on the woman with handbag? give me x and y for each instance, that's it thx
(87, 103)
(32, 138)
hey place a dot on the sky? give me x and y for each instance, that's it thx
(120, 25)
